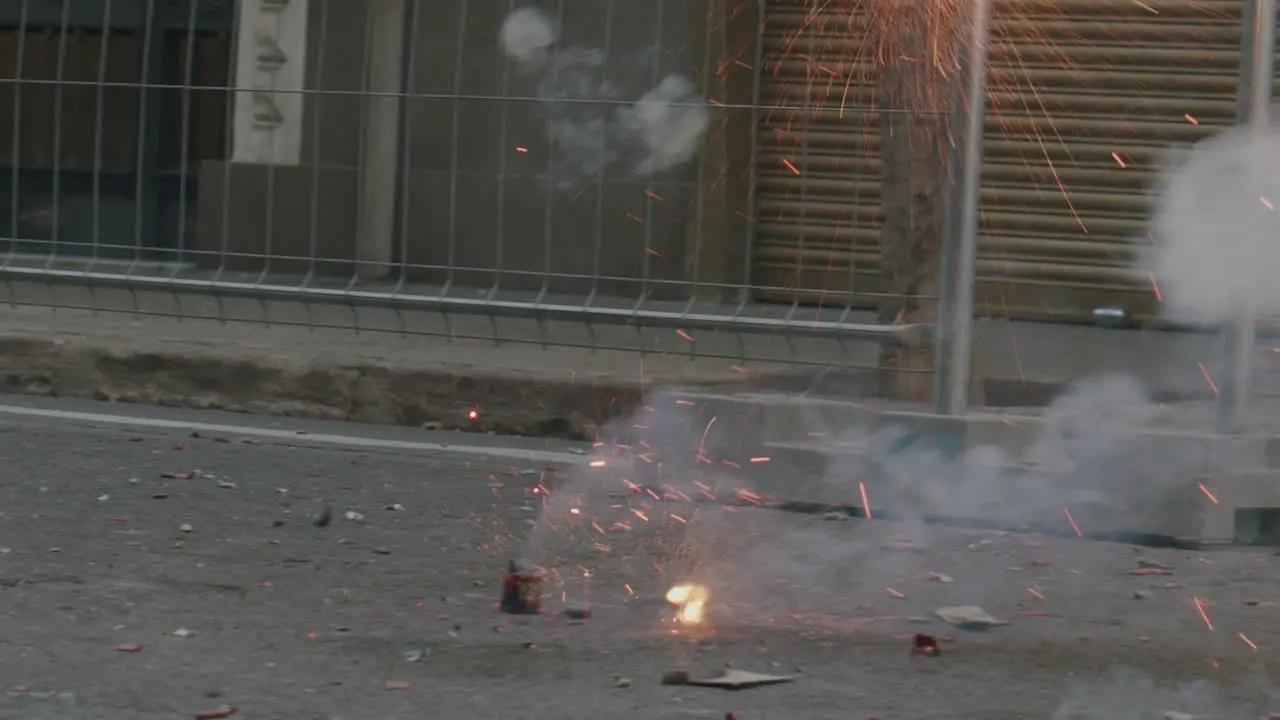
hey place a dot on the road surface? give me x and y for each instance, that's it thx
(157, 564)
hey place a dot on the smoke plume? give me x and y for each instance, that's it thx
(599, 121)
(1216, 228)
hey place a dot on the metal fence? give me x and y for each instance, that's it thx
(591, 172)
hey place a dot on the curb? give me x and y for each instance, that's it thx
(439, 398)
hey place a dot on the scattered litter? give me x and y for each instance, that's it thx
(353, 516)
(415, 655)
(927, 645)
(968, 617)
(225, 711)
(129, 648)
(183, 633)
(740, 680)
(940, 577)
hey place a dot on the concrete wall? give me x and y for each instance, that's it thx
(472, 199)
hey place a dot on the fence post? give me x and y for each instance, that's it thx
(1257, 71)
(384, 87)
(960, 244)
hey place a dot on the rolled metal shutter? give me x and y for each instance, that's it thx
(1085, 98)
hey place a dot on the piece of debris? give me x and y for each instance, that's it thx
(1171, 715)
(1251, 602)
(186, 528)
(353, 516)
(940, 577)
(415, 655)
(835, 517)
(622, 682)
(1150, 571)
(1141, 595)
(968, 617)
(395, 508)
(129, 647)
(926, 645)
(323, 519)
(733, 679)
(576, 612)
(381, 551)
(397, 685)
(1152, 564)
(675, 677)
(226, 485)
(183, 633)
(225, 711)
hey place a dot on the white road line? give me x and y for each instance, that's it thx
(296, 437)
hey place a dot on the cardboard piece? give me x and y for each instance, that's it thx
(740, 680)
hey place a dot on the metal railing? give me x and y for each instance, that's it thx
(465, 159)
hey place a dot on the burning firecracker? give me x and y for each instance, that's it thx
(521, 591)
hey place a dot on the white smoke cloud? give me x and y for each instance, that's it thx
(527, 35)
(597, 126)
(1217, 230)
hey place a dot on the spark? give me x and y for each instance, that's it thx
(685, 335)
(894, 593)
(1247, 641)
(1200, 604)
(1208, 493)
(1035, 592)
(1072, 520)
(1207, 377)
(866, 504)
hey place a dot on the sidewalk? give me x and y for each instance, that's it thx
(406, 376)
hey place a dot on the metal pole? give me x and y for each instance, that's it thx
(956, 328)
(1256, 81)
(376, 242)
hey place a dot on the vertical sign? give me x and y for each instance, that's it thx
(270, 72)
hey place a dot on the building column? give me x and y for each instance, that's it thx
(271, 51)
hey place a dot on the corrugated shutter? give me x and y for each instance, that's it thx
(1085, 97)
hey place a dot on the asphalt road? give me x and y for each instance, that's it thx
(166, 563)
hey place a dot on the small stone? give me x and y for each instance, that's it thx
(186, 528)
(940, 577)
(381, 551)
(183, 633)
(574, 612)
(129, 648)
(622, 682)
(1252, 602)
(353, 516)
(1152, 565)
(675, 677)
(397, 685)
(1171, 715)
(323, 519)
(1141, 595)
(218, 713)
